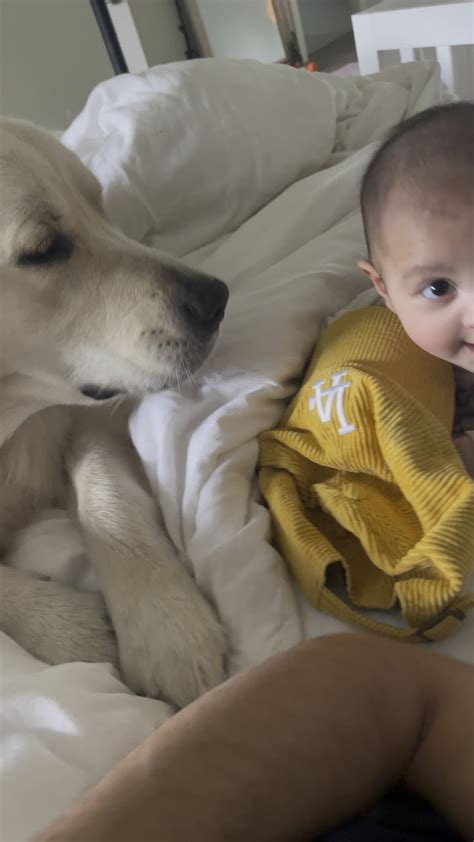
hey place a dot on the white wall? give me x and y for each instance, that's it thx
(324, 21)
(52, 54)
(157, 23)
(240, 29)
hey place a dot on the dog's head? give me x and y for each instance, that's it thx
(80, 300)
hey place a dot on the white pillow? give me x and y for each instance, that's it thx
(191, 150)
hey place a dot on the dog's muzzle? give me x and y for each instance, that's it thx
(201, 301)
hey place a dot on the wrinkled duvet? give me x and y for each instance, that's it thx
(249, 172)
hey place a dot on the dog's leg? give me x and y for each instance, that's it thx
(54, 622)
(170, 643)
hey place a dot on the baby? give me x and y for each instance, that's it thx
(360, 473)
(417, 202)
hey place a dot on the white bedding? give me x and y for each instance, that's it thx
(251, 173)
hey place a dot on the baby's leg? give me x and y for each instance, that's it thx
(293, 747)
(442, 769)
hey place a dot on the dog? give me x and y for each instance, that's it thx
(89, 322)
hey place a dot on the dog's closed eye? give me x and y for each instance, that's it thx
(57, 250)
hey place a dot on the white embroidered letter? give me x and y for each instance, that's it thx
(323, 401)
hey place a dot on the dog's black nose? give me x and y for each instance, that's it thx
(203, 301)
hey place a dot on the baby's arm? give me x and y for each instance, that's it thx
(464, 419)
(297, 745)
(465, 447)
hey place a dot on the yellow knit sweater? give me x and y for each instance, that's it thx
(363, 472)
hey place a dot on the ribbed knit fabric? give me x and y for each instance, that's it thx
(363, 472)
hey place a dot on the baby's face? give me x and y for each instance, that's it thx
(424, 268)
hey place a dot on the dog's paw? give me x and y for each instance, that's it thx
(59, 624)
(173, 650)
(85, 633)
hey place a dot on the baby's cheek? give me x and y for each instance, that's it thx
(432, 334)
(422, 332)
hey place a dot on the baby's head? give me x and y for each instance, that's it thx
(417, 201)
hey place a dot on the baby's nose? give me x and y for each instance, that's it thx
(468, 315)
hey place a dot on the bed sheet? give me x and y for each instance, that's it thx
(249, 172)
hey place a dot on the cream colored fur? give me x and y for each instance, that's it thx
(81, 305)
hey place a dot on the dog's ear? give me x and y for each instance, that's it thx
(41, 183)
(28, 224)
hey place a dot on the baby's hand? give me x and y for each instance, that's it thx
(465, 447)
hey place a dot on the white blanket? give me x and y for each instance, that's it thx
(251, 173)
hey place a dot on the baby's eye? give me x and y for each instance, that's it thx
(437, 289)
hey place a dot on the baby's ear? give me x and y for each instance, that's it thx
(371, 272)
